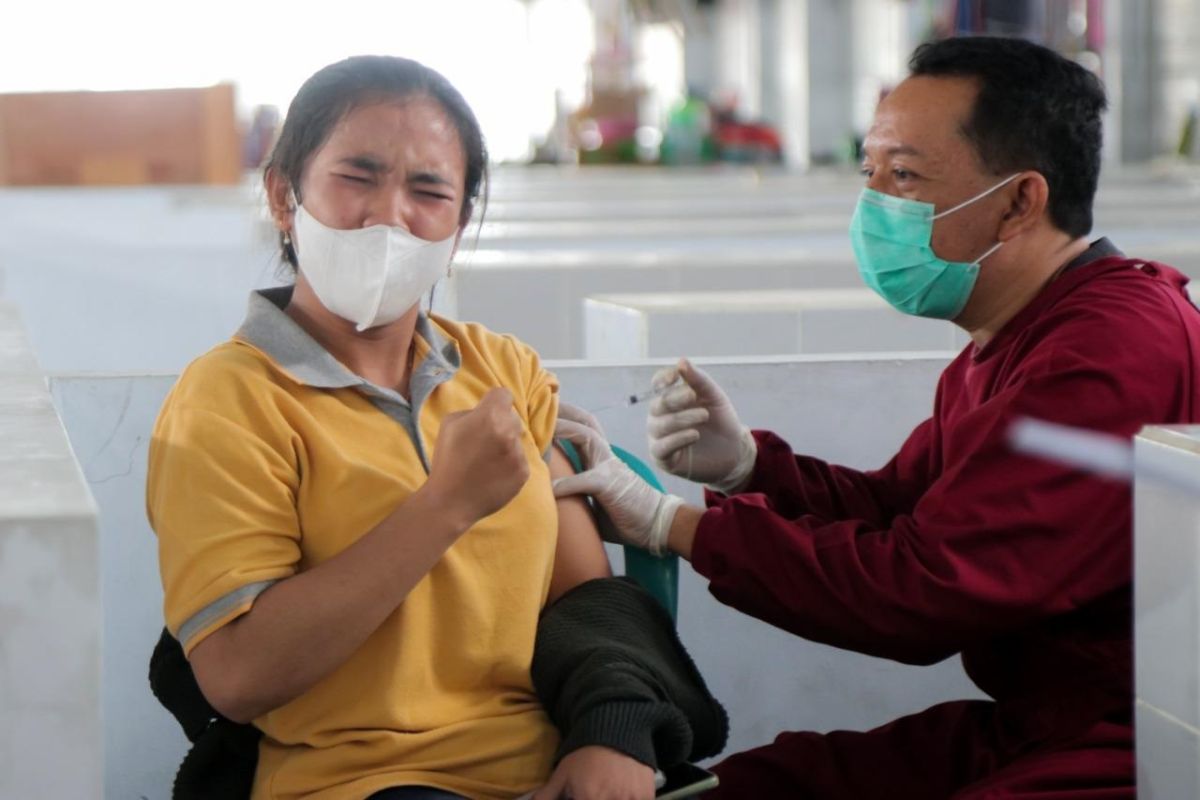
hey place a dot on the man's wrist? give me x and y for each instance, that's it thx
(682, 534)
(660, 527)
(739, 477)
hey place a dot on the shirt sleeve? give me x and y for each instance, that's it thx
(998, 539)
(798, 485)
(221, 499)
(541, 396)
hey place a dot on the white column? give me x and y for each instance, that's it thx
(739, 57)
(1178, 23)
(792, 80)
(879, 48)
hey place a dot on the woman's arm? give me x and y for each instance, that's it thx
(304, 627)
(580, 554)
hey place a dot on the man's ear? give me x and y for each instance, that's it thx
(1028, 197)
(281, 200)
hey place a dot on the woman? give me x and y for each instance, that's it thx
(353, 500)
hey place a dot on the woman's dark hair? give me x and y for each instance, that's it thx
(1035, 110)
(335, 90)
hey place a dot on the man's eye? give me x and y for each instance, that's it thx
(901, 174)
(866, 172)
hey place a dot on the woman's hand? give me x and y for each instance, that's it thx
(479, 464)
(599, 773)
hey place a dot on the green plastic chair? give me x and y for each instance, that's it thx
(659, 575)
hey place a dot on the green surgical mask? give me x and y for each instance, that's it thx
(892, 239)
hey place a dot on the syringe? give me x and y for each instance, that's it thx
(634, 399)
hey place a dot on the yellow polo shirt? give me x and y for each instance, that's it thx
(269, 457)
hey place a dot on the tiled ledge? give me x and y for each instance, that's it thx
(50, 618)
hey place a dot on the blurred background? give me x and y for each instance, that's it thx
(671, 177)
(579, 81)
(640, 146)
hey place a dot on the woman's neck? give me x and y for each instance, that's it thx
(381, 355)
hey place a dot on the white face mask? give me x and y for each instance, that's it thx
(370, 276)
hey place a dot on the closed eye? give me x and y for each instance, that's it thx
(353, 178)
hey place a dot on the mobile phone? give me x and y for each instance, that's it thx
(686, 780)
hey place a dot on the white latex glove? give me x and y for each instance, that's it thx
(695, 433)
(639, 514)
(582, 416)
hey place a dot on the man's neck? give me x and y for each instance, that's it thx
(1025, 281)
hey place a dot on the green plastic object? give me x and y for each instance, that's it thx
(659, 575)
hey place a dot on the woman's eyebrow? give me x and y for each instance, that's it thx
(366, 163)
(427, 176)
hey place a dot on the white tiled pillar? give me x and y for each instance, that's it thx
(50, 620)
(1167, 612)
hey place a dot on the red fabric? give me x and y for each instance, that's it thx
(958, 751)
(960, 544)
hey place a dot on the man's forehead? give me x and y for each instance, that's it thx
(921, 115)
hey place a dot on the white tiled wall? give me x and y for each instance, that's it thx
(781, 321)
(50, 619)
(1167, 608)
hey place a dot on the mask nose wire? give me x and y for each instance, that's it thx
(979, 196)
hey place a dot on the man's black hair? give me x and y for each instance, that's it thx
(1035, 110)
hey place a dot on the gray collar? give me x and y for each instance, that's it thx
(269, 329)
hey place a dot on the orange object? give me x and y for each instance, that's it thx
(120, 138)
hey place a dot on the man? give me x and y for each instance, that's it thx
(981, 169)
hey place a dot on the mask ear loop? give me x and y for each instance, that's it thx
(990, 250)
(979, 196)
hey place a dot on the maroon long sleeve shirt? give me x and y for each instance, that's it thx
(960, 544)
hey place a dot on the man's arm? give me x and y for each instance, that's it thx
(798, 485)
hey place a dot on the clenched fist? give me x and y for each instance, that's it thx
(479, 464)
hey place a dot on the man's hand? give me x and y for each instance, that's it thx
(598, 773)
(694, 431)
(639, 514)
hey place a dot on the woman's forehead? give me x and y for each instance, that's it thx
(408, 127)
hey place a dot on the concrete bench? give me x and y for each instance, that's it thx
(50, 619)
(1167, 612)
(781, 321)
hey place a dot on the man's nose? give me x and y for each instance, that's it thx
(877, 182)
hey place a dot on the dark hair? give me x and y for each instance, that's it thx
(1035, 110)
(336, 90)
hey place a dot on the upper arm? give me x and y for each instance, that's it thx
(579, 555)
(221, 501)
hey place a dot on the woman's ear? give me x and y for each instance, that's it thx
(281, 200)
(1028, 198)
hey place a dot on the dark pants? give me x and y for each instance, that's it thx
(954, 751)
(415, 793)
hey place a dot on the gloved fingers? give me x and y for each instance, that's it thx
(677, 398)
(662, 449)
(593, 448)
(586, 483)
(664, 377)
(666, 424)
(700, 381)
(574, 413)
